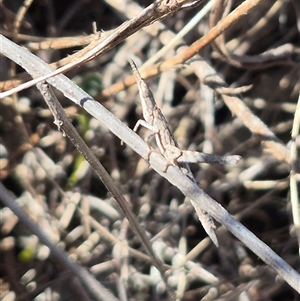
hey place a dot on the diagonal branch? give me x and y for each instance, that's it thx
(36, 67)
(100, 293)
(158, 10)
(65, 125)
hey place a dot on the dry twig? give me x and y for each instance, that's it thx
(173, 174)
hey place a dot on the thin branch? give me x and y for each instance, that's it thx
(209, 77)
(158, 10)
(36, 67)
(98, 291)
(295, 169)
(63, 124)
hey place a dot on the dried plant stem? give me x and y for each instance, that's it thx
(245, 8)
(36, 67)
(62, 122)
(98, 291)
(158, 10)
(255, 125)
(20, 15)
(294, 170)
(159, 29)
(204, 71)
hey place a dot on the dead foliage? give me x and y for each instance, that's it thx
(228, 84)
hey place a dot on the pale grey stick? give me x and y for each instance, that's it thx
(36, 67)
(62, 122)
(96, 288)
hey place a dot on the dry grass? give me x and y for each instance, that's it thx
(196, 81)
